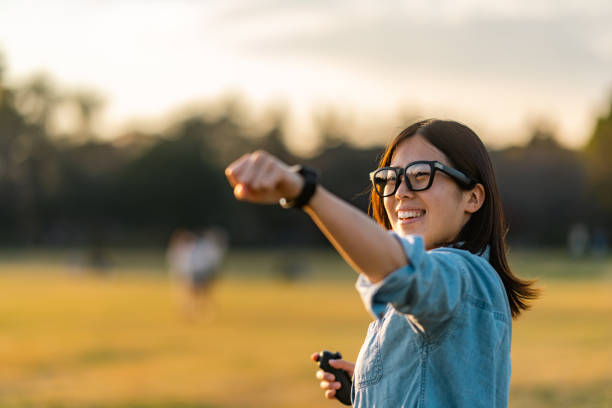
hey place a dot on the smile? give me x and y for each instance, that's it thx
(407, 216)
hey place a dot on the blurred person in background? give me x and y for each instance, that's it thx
(578, 240)
(432, 267)
(194, 261)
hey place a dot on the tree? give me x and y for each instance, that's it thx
(598, 153)
(543, 190)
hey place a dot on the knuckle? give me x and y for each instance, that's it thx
(259, 155)
(271, 164)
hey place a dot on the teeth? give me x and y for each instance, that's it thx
(410, 214)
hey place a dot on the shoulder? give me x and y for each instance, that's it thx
(445, 258)
(462, 260)
(480, 278)
(461, 255)
(485, 284)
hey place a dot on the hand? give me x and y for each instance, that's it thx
(328, 382)
(259, 177)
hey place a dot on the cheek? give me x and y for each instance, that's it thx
(389, 204)
(447, 209)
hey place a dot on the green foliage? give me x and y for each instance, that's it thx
(544, 190)
(73, 189)
(598, 153)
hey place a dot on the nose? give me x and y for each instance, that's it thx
(403, 191)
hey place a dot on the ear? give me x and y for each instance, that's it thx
(474, 198)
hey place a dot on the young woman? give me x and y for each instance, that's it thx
(432, 267)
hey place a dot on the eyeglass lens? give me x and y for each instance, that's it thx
(386, 183)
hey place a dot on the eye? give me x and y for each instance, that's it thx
(380, 180)
(384, 176)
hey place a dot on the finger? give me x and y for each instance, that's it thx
(254, 169)
(341, 364)
(274, 179)
(314, 357)
(324, 375)
(265, 176)
(347, 366)
(330, 394)
(270, 172)
(330, 385)
(242, 192)
(233, 171)
(243, 175)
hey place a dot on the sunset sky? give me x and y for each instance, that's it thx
(498, 66)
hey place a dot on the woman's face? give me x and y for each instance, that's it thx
(438, 213)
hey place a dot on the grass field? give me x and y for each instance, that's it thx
(72, 339)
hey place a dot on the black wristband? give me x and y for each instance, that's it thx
(310, 176)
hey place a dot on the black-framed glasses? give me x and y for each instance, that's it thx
(418, 175)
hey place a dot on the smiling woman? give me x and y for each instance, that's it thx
(433, 269)
(445, 196)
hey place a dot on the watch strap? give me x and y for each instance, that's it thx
(310, 176)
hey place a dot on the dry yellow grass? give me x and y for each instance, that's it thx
(71, 340)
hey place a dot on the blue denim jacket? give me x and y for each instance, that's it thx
(441, 335)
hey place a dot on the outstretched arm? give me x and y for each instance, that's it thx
(261, 178)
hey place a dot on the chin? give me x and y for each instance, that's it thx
(403, 231)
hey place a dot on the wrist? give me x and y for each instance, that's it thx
(295, 185)
(304, 189)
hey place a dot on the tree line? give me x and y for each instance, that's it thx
(75, 189)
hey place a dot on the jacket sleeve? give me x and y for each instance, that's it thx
(430, 287)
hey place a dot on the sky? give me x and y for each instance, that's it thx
(499, 66)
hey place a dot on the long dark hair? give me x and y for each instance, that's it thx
(487, 226)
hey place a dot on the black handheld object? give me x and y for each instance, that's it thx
(344, 393)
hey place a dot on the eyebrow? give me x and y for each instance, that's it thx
(412, 161)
